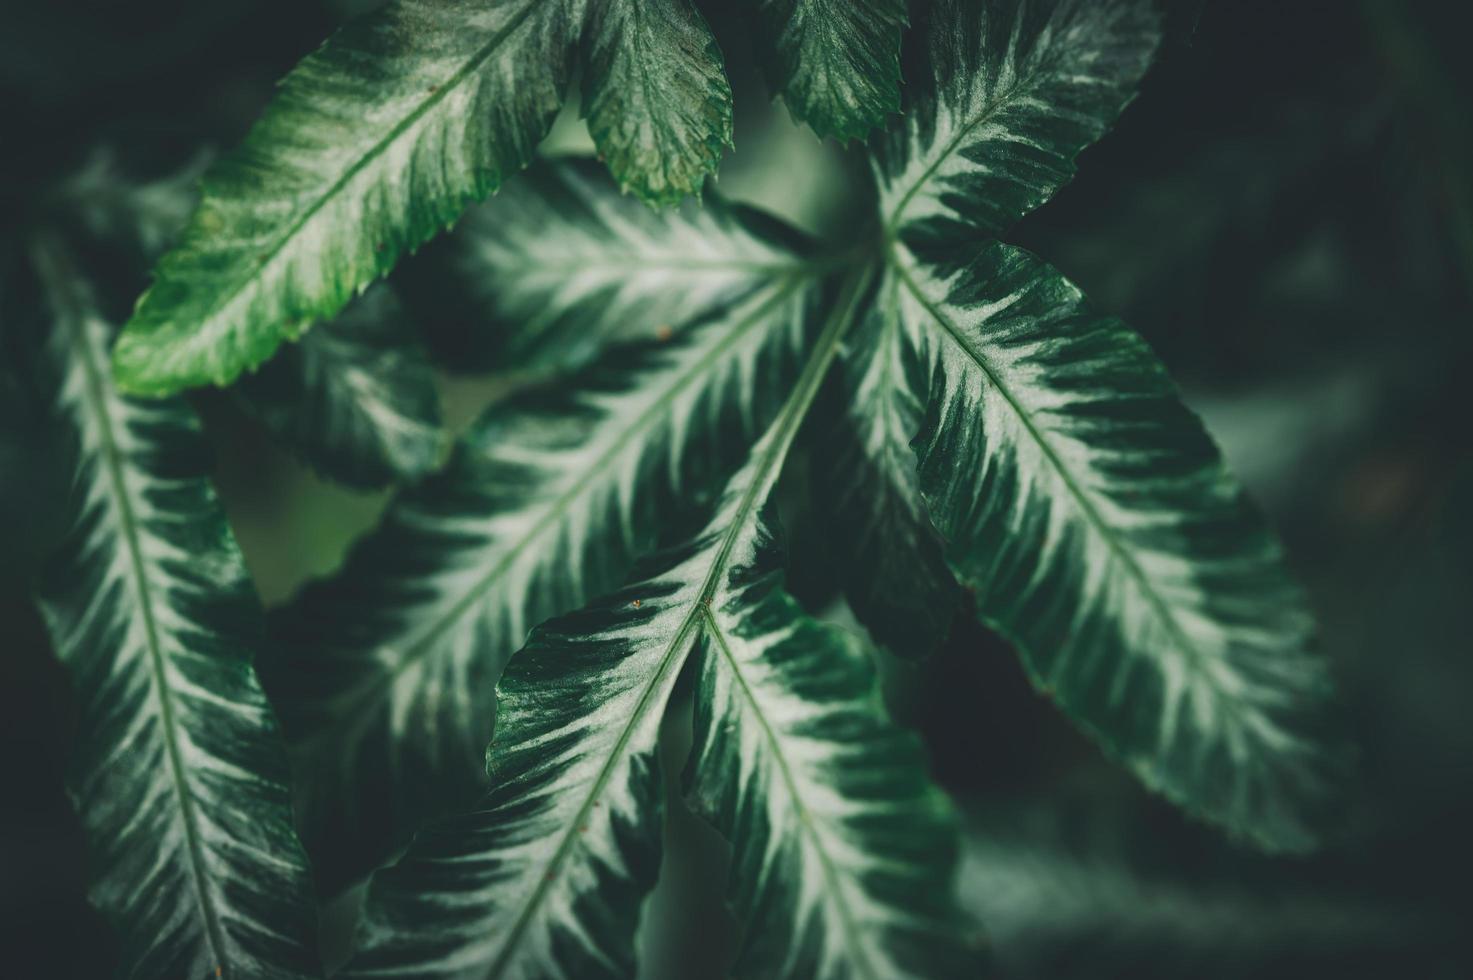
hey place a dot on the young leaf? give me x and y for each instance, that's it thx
(888, 552)
(356, 397)
(545, 876)
(375, 143)
(385, 676)
(655, 95)
(178, 773)
(1015, 90)
(1094, 520)
(561, 266)
(836, 63)
(843, 850)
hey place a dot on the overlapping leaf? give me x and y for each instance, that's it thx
(842, 850)
(355, 397)
(1015, 90)
(655, 95)
(559, 267)
(836, 63)
(379, 139)
(545, 876)
(1094, 520)
(886, 549)
(385, 673)
(179, 774)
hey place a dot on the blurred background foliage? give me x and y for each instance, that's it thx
(1286, 213)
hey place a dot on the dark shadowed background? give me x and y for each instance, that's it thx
(1286, 213)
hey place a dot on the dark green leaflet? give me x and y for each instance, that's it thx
(1013, 91)
(1094, 521)
(179, 774)
(836, 63)
(382, 137)
(356, 397)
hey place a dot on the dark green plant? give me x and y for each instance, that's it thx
(985, 443)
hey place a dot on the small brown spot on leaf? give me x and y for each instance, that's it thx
(663, 332)
(635, 603)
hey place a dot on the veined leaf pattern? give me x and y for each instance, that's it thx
(373, 144)
(1015, 90)
(843, 850)
(178, 772)
(560, 266)
(386, 671)
(546, 874)
(836, 63)
(888, 553)
(1095, 521)
(356, 397)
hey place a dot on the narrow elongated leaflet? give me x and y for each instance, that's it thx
(885, 546)
(1012, 91)
(842, 849)
(559, 266)
(544, 877)
(385, 673)
(379, 140)
(178, 772)
(1096, 524)
(836, 63)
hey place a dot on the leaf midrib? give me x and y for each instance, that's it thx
(75, 318)
(1086, 506)
(785, 429)
(848, 926)
(471, 65)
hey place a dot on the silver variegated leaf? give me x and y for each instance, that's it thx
(378, 140)
(842, 849)
(1095, 522)
(355, 398)
(178, 773)
(558, 267)
(385, 676)
(1013, 91)
(544, 878)
(886, 550)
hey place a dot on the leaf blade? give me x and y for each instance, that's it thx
(1016, 90)
(545, 503)
(836, 63)
(842, 848)
(1100, 531)
(635, 642)
(656, 97)
(355, 397)
(179, 774)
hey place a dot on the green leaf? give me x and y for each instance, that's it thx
(1015, 89)
(1094, 520)
(373, 144)
(178, 772)
(385, 671)
(356, 397)
(544, 878)
(560, 267)
(836, 63)
(842, 849)
(885, 547)
(655, 95)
